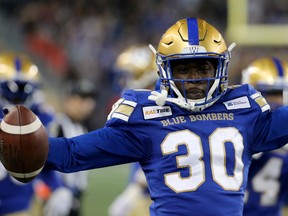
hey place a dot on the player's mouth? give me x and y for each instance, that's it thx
(195, 93)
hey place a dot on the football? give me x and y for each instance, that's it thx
(23, 143)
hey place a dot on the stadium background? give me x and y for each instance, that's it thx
(83, 38)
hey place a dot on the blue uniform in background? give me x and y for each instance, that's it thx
(196, 163)
(267, 191)
(16, 196)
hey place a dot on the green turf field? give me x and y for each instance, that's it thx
(104, 185)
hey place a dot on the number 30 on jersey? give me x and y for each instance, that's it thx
(193, 159)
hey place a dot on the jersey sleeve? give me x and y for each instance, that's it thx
(270, 130)
(122, 140)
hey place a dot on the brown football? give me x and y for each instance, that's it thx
(23, 143)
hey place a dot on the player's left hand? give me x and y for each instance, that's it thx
(59, 203)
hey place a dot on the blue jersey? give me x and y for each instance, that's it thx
(196, 163)
(267, 186)
(16, 196)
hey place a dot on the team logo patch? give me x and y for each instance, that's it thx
(238, 103)
(156, 111)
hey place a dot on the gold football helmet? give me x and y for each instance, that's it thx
(190, 39)
(267, 75)
(135, 68)
(19, 78)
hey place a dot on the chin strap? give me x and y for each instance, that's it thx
(160, 98)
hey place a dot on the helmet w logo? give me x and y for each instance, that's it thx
(194, 49)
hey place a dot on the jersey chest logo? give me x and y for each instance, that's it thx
(152, 112)
(238, 103)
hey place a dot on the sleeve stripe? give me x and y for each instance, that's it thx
(130, 103)
(261, 101)
(120, 116)
(265, 108)
(123, 110)
(255, 95)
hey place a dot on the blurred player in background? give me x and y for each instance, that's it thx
(20, 84)
(135, 68)
(267, 186)
(79, 103)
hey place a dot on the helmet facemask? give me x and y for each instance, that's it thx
(17, 92)
(19, 79)
(216, 84)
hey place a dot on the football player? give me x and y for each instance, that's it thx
(134, 68)
(194, 139)
(267, 185)
(19, 84)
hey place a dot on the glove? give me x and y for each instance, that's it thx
(123, 204)
(59, 203)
